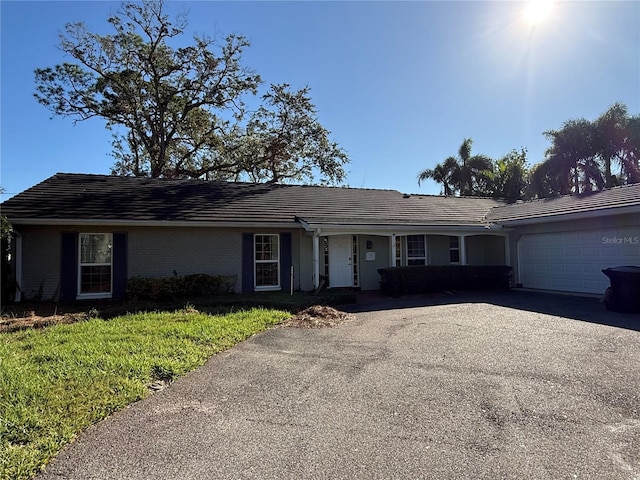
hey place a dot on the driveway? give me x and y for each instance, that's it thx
(505, 385)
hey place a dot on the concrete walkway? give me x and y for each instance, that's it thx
(508, 385)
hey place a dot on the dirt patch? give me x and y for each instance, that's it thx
(10, 324)
(317, 316)
(28, 314)
(25, 315)
(40, 315)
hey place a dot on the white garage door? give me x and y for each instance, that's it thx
(573, 261)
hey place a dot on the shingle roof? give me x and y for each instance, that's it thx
(76, 197)
(100, 197)
(624, 197)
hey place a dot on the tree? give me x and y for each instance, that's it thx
(466, 174)
(617, 141)
(173, 111)
(509, 178)
(5, 225)
(6, 279)
(446, 173)
(630, 158)
(609, 138)
(583, 154)
(573, 158)
(285, 141)
(544, 180)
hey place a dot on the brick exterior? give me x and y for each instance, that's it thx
(152, 252)
(41, 253)
(159, 252)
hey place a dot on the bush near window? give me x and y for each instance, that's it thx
(187, 286)
(438, 278)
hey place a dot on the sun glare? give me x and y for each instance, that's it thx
(537, 11)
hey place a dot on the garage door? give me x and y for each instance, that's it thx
(573, 261)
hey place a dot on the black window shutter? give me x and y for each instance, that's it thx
(119, 265)
(247, 263)
(69, 266)
(285, 261)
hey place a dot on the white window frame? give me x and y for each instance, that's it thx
(262, 288)
(354, 261)
(89, 295)
(453, 249)
(424, 258)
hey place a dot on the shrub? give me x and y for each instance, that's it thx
(171, 288)
(435, 278)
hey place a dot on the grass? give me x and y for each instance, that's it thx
(215, 304)
(55, 382)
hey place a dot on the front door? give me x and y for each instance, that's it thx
(340, 262)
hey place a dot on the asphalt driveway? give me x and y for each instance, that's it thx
(510, 385)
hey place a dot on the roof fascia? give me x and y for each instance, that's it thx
(565, 217)
(149, 223)
(388, 230)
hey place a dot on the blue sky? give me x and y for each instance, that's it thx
(398, 84)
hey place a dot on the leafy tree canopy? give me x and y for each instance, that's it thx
(181, 111)
(5, 226)
(510, 175)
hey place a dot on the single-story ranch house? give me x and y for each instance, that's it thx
(82, 236)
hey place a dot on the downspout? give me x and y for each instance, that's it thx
(392, 260)
(507, 250)
(518, 280)
(316, 259)
(18, 265)
(463, 250)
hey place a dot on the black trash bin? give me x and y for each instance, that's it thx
(624, 295)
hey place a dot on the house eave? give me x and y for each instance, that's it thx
(564, 217)
(326, 228)
(18, 222)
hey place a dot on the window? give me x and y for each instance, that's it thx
(454, 249)
(398, 251)
(267, 262)
(354, 262)
(416, 250)
(325, 246)
(95, 270)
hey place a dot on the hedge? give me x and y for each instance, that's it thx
(171, 288)
(438, 278)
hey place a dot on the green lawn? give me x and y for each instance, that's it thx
(55, 382)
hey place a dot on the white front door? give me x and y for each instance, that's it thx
(340, 262)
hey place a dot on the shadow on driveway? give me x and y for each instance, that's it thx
(586, 309)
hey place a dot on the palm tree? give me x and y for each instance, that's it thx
(573, 158)
(510, 176)
(465, 174)
(630, 158)
(446, 173)
(610, 129)
(544, 180)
